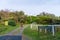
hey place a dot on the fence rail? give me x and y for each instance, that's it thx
(39, 27)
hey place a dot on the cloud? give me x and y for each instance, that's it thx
(32, 7)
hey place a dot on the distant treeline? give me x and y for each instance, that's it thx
(20, 17)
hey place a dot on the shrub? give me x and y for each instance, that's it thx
(11, 23)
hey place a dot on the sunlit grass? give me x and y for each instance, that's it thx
(6, 29)
(42, 36)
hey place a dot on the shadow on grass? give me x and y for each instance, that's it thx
(10, 37)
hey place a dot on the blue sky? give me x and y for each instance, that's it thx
(32, 7)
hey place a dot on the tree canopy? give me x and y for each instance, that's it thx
(19, 16)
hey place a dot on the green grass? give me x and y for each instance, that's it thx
(42, 36)
(7, 29)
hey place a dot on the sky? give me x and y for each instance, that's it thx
(32, 7)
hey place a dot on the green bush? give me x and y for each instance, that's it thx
(11, 23)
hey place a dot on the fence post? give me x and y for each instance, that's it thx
(38, 31)
(45, 30)
(53, 32)
(31, 26)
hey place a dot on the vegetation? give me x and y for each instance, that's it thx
(6, 29)
(19, 16)
(42, 36)
(11, 23)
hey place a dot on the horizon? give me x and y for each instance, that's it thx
(32, 7)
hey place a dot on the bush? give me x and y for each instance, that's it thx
(11, 23)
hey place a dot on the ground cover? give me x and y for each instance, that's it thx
(42, 36)
(6, 29)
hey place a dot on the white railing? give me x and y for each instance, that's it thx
(35, 26)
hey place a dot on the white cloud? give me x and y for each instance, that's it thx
(32, 7)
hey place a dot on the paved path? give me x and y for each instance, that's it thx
(10, 37)
(14, 35)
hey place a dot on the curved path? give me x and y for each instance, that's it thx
(13, 35)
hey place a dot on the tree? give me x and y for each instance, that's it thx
(46, 18)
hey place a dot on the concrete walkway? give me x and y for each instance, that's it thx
(17, 31)
(14, 35)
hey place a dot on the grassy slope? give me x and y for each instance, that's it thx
(34, 35)
(7, 29)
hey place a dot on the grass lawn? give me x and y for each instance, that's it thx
(7, 29)
(42, 36)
